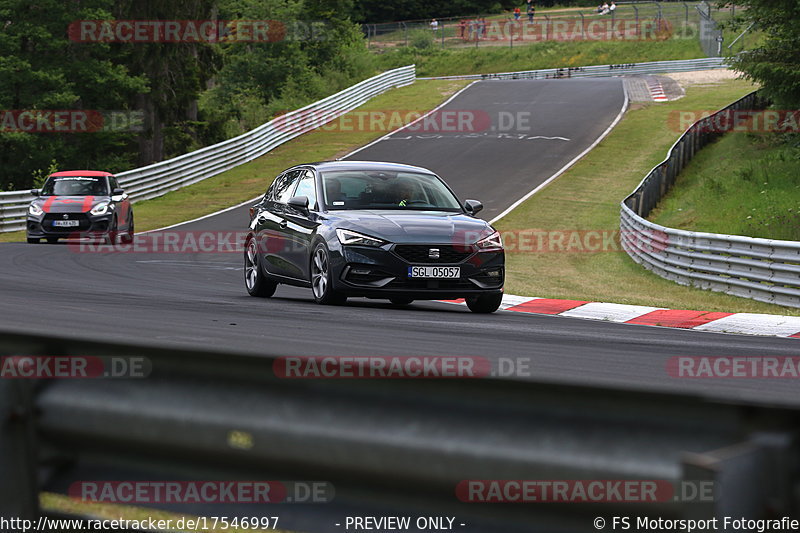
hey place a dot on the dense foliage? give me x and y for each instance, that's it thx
(776, 63)
(189, 94)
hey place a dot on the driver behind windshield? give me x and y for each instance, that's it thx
(403, 192)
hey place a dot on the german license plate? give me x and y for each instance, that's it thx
(434, 272)
(67, 223)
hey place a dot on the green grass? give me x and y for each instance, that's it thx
(743, 184)
(548, 54)
(252, 179)
(587, 198)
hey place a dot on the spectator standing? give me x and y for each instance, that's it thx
(462, 29)
(434, 24)
(482, 28)
(517, 13)
(612, 7)
(531, 11)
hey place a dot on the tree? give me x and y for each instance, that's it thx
(776, 63)
(41, 69)
(176, 72)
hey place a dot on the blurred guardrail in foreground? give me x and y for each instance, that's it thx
(160, 178)
(598, 71)
(762, 269)
(390, 443)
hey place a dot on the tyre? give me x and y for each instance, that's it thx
(321, 284)
(32, 240)
(400, 302)
(52, 240)
(254, 279)
(485, 303)
(127, 237)
(111, 236)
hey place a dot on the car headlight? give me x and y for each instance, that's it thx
(35, 210)
(492, 242)
(351, 237)
(101, 208)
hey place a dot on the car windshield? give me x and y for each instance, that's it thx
(379, 189)
(75, 186)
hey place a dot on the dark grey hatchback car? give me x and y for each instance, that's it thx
(375, 230)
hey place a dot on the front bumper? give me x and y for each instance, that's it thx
(88, 224)
(384, 272)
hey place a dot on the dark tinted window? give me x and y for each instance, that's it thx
(75, 186)
(367, 189)
(283, 187)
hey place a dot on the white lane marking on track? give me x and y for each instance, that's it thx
(376, 141)
(755, 324)
(568, 165)
(612, 312)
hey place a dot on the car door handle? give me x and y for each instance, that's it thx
(283, 224)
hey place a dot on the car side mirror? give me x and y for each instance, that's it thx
(299, 202)
(118, 192)
(36, 192)
(473, 206)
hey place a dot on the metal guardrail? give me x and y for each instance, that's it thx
(628, 69)
(396, 442)
(160, 178)
(762, 269)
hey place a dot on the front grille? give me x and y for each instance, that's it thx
(431, 284)
(420, 253)
(47, 222)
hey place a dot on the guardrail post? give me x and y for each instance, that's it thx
(19, 496)
(761, 464)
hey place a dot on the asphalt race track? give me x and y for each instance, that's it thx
(199, 300)
(522, 133)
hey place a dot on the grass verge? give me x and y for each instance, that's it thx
(251, 179)
(587, 198)
(743, 184)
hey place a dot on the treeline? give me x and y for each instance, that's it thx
(182, 95)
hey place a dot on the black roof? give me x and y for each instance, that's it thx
(365, 165)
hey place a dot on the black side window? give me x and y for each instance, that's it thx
(283, 183)
(112, 181)
(285, 190)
